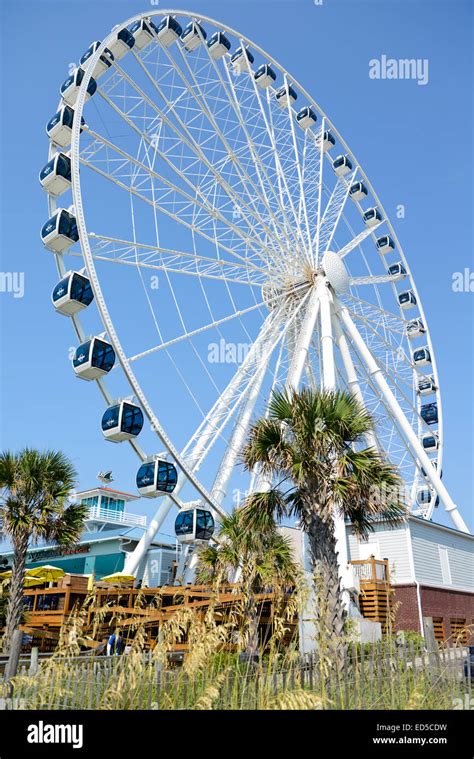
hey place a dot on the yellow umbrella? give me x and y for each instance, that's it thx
(30, 582)
(47, 573)
(118, 577)
(5, 575)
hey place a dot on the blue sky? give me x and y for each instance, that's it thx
(414, 142)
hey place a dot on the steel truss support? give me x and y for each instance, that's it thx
(402, 422)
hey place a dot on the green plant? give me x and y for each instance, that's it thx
(35, 488)
(311, 446)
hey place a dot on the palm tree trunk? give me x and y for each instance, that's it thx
(15, 603)
(329, 608)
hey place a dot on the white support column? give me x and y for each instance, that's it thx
(303, 342)
(327, 339)
(329, 383)
(239, 434)
(400, 418)
(352, 379)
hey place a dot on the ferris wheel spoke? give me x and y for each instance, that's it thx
(375, 340)
(281, 175)
(358, 239)
(265, 181)
(150, 253)
(376, 313)
(333, 212)
(372, 280)
(245, 181)
(188, 168)
(181, 202)
(177, 217)
(228, 87)
(230, 151)
(192, 333)
(272, 332)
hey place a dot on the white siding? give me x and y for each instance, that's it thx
(388, 544)
(427, 538)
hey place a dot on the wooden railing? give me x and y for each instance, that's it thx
(374, 580)
(371, 570)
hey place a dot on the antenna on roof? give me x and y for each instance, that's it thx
(105, 477)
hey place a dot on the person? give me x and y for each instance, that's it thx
(114, 644)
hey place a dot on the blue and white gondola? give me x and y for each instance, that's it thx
(194, 526)
(103, 64)
(385, 244)
(328, 140)
(121, 44)
(372, 217)
(218, 45)
(397, 271)
(425, 495)
(429, 413)
(407, 300)
(415, 328)
(242, 59)
(264, 76)
(55, 176)
(357, 191)
(430, 442)
(70, 87)
(144, 32)
(122, 421)
(93, 359)
(168, 31)
(72, 293)
(60, 231)
(285, 96)
(59, 127)
(421, 356)
(426, 384)
(306, 117)
(342, 165)
(192, 36)
(156, 477)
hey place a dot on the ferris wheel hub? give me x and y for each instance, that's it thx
(336, 272)
(288, 292)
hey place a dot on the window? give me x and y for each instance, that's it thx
(458, 630)
(438, 626)
(445, 568)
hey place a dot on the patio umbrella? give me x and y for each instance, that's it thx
(30, 582)
(47, 573)
(118, 577)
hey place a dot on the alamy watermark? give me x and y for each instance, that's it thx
(12, 282)
(399, 68)
(463, 281)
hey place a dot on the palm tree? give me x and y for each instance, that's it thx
(260, 559)
(311, 444)
(34, 504)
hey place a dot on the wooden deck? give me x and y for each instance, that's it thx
(127, 607)
(48, 609)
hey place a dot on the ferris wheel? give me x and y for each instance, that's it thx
(216, 239)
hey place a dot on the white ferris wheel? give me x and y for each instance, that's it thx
(216, 239)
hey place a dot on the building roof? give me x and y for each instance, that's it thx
(114, 533)
(108, 491)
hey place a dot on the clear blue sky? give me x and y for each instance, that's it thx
(414, 142)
